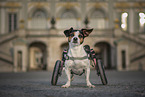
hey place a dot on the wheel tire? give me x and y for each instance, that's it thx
(102, 73)
(55, 74)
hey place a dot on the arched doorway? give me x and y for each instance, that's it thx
(103, 50)
(37, 56)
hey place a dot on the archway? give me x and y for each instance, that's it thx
(37, 56)
(103, 50)
(38, 18)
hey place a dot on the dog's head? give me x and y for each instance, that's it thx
(76, 37)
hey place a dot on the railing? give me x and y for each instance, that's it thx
(7, 37)
(5, 57)
(48, 33)
(4, 39)
(134, 38)
(33, 32)
(137, 55)
(104, 32)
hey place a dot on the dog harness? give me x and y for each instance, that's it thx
(76, 58)
(90, 54)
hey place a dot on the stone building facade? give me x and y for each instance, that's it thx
(31, 32)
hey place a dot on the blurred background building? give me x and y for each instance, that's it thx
(31, 32)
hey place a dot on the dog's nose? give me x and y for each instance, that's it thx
(75, 38)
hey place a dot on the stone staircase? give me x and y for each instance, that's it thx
(5, 56)
(137, 58)
(134, 38)
(137, 55)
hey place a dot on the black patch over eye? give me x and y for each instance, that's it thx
(80, 36)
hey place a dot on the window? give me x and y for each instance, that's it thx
(39, 14)
(97, 19)
(68, 19)
(68, 14)
(12, 22)
(124, 21)
(39, 19)
(141, 22)
(98, 14)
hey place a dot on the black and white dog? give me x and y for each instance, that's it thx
(78, 60)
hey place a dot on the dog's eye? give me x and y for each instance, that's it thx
(80, 36)
(72, 35)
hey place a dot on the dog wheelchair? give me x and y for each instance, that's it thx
(97, 63)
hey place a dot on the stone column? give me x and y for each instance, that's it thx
(119, 63)
(131, 21)
(24, 58)
(3, 22)
(31, 58)
(54, 52)
(53, 8)
(25, 8)
(83, 10)
(0, 20)
(111, 15)
(15, 60)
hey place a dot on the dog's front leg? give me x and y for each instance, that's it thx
(87, 78)
(67, 71)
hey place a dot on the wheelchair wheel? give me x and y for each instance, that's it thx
(102, 72)
(55, 74)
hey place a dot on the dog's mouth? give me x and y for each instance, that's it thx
(75, 42)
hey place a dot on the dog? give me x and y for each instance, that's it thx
(78, 60)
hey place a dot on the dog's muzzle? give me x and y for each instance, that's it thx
(75, 40)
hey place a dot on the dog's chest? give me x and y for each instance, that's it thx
(77, 64)
(77, 51)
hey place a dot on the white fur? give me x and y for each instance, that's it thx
(76, 36)
(77, 50)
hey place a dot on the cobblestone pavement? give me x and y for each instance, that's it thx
(37, 84)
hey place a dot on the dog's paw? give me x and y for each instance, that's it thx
(65, 86)
(91, 86)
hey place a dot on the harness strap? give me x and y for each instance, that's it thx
(76, 58)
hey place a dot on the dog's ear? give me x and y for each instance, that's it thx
(67, 32)
(86, 32)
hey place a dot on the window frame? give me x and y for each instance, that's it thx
(12, 21)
